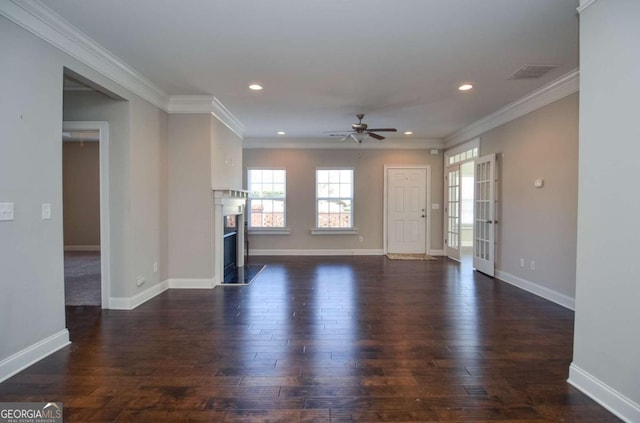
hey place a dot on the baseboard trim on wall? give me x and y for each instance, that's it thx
(539, 290)
(82, 248)
(191, 283)
(603, 394)
(129, 303)
(322, 252)
(437, 253)
(32, 354)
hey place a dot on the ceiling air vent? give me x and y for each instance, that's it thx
(532, 71)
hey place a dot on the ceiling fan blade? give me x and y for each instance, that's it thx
(339, 134)
(383, 130)
(376, 136)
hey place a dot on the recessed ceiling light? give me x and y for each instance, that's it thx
(465, 87)
(255, 87)
(281, 133)
(408, 133)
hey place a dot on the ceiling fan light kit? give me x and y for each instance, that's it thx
(358, 137)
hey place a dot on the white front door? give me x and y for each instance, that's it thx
(406, 210)
(452, 211)
(484, 215)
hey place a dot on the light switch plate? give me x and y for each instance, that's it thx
(6, 211)
(46, 211)
(435, 206)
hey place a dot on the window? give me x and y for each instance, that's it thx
(463, 156)
(267, 197)
(334, 198)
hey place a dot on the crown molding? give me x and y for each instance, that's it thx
(227, 118)
(584, 4)
(37, 18)
(190, 104)
(334, 143)
(41, 21)
(205, 104)
(566, 85)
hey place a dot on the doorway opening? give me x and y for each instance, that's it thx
(85, 187)
(81, 206)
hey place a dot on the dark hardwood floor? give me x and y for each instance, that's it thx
(316, 340)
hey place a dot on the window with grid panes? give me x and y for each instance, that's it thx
(334, 198)
(267, 198)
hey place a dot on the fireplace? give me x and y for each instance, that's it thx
(230, 244)
(228, 236)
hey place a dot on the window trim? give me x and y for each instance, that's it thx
(317, 230)
(262, 230)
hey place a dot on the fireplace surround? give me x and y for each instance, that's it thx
(227, 202)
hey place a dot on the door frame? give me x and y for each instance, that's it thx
(427, 207)
(105, 222)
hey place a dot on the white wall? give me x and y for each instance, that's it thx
(368, 194)
(148, 142)
(32, 284)
(538, 224)
(606, 362)
(32, 322)
(190, 197)
(203, 153)
(226, 157)
(81, 193)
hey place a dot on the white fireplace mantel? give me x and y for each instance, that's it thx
(227, 202)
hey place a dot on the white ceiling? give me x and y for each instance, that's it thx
(323, 61)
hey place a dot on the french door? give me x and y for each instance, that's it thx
(452, 211)
(484, 215)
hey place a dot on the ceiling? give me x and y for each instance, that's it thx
(323, 61)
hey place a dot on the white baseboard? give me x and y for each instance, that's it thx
(82, 248)
(320, 252)
(32, 354)
(539, 290)
(129, 303)
(437, 253)
(604, 395)
(191, 283)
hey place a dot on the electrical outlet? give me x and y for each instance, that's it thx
(140, 281)
(521, 262)
(360, 239)
(532, 265)
(155, 267)
(6, 211)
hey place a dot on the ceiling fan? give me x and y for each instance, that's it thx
(360, 131)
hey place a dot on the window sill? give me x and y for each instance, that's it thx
(334, 231)
(267, 231)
